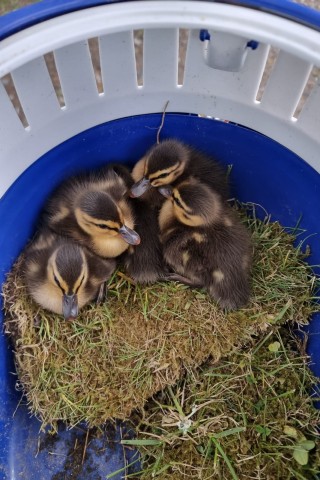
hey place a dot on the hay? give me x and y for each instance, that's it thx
(250, 416)
(114, 357)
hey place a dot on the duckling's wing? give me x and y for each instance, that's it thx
(210, 171)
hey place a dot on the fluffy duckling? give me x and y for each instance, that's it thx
(93, 210)
(170, 162)
(205, 242)
(145, 262)
(62, 276)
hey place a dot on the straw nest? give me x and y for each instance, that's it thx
(109, 361)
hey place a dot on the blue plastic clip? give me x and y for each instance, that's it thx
(204, 35)
(253, 44)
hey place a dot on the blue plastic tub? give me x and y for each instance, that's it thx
(288, 194)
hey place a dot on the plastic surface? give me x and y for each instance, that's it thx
(263, 172)
(31, 15)
(203, 90)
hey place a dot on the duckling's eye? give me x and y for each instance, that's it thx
(103, 226)
(58, 283)
(177, 201)
(162, 175)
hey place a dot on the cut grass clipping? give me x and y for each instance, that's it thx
(248, 417)
(111, 359)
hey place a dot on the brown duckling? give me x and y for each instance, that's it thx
(145, 262)
(62, 276)
(205, 243)
(172, 161)
(93, 209)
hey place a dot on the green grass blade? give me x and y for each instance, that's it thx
(231, 431)
(143, 442)
(225, 458)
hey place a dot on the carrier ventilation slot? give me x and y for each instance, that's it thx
(183, 42)
(52, 69)
(271, 60)
(13, 96)
(95, 57)
(313, 80)
(138, 36)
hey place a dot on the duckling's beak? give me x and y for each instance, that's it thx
(165, 191)
(70, 308)
(140, 187)
(129, 236)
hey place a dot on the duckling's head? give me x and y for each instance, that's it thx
(194, 204)
(97, 214)
(67, 272)
(164, 163)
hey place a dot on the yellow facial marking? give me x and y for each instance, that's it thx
(167, 171)
(190, 220)
(54, 274)
(183, 212)
(139, 170)
(83, 220)
(218, 275)
(166, 215)
(108, 223)
(81, 280)
(94, 226)
(198, 237)
(126, 214)
(185, 258)
(179, 202)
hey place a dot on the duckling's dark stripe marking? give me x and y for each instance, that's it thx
(177, 201)
(103, 225)
(59, 284)
(164, 173)
(80, 283)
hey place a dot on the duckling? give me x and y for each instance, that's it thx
(93, 210)
(62, 276)
(145, 262)
(205, 243)
(170, 162)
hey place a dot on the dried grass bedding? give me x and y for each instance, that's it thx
(109, 361)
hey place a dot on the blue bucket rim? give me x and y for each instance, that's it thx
(31, 15)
